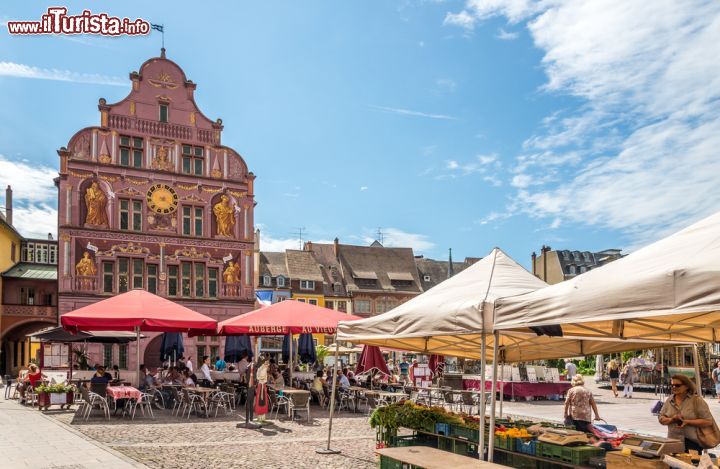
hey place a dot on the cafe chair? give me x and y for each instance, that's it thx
(194, 402)
(299, 403)
(276, 402)
(92, 401)
(145, 402)
(220, 399)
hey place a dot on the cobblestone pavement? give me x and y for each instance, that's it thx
(169, 442)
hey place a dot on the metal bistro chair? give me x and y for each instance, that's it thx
(449, 399)
(220, 399)
(347, 400)
(299, 403)
(145, 402)
(277, 401)
(178, 400)
(93, 401)
(193, 401)
(9, 385)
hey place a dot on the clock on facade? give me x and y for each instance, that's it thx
(162, 198)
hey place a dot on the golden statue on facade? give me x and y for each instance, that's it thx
(86, 266)
(224, 216)
(231, 275)
(96, 204)
(162, 160)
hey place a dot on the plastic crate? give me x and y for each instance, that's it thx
(470, 434)
(503, 442)
(549, 450)
(519, 461)
(389, 463)
(580, 455)
(526, 447)
(416, 440)
(442, 429)
(466, 449)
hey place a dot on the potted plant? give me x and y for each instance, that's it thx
(55, 394)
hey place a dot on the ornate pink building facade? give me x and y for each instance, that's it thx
(152, 199)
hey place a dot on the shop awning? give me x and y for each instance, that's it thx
(58, 334)
(286, 317)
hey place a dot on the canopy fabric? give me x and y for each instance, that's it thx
(286, 317)
(236, 346)
(437, 320)
(58, 334)
(341, 350)
(306, 349)
(171, 346)
(371, 358)
(447, 319)
(669, 290)
(138, 308)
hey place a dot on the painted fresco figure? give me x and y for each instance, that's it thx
(231, 273)
(86, 266)
(224, 216)
(96, 204)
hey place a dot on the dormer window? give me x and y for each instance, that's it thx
(164, 110)
(307, 285)
(267, 281)
(280, 281)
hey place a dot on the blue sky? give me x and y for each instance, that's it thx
(582, 125)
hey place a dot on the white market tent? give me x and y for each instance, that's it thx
(450, 318)
(667, 291)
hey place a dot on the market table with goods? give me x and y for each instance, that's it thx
(518, 443)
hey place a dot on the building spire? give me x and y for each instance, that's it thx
(162, 52)
(451, 271)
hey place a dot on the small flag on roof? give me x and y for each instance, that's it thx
(264, 297)
(157, 27)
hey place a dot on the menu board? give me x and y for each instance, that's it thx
(56, 355)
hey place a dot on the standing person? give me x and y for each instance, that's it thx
(578, 404)
(716, 379)
(684, 412)
(391, 365)
(220, 364)
(614, 374)
(404, 370)
(205, 370)
(571, 369)
(261, 394)
(189, 364)
(628, 378)
(412, 371)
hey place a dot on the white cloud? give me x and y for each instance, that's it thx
(480, 164)
(452, 164)
(407, 112)
(34, 196)
(639, 154)
(462, 19)
(493, 216)
(445, 85)
(12, 69)
(521, 181)
(394, 237)
(506, 35)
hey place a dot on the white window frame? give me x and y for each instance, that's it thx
(267, 281)
(312, 301)
(280, 281)
(307, 284)
(426, 278)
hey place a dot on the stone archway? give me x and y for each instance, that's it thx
(151, 357)
(15, 333)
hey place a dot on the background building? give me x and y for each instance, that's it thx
(151, 199)
(557, 266)
(28, 290)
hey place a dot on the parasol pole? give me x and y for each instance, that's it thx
(137, 353)
(502, 385)
(698, 381)
(332, 404)
(491, 432)
(290, 359)
(483, 363)
(662, 374)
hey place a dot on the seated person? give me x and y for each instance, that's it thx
(30, 380)
(343, 381)
(101, 376)
(220, 364)
(187, 378)
(319, 385)
(277, 381)
(173, 377)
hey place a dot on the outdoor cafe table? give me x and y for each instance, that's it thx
(290, 392)
(123, 392)
(391, 396)
(431, 458)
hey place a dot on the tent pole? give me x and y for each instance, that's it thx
(290, 361)
(502, 387)
(698, 381)
(137, 348)
(662, 374)
(483, 362)
(332, 403)
(493, 399)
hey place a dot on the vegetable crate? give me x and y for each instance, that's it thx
(416, 440)
(442, 429)
(519, 461)
(580, 455)
(471, 434)
(526, 447)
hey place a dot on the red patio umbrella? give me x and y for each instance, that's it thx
(437, 362)
(286, 317)
(371, 358)
(138, 310)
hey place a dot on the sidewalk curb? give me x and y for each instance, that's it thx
(115, 453)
